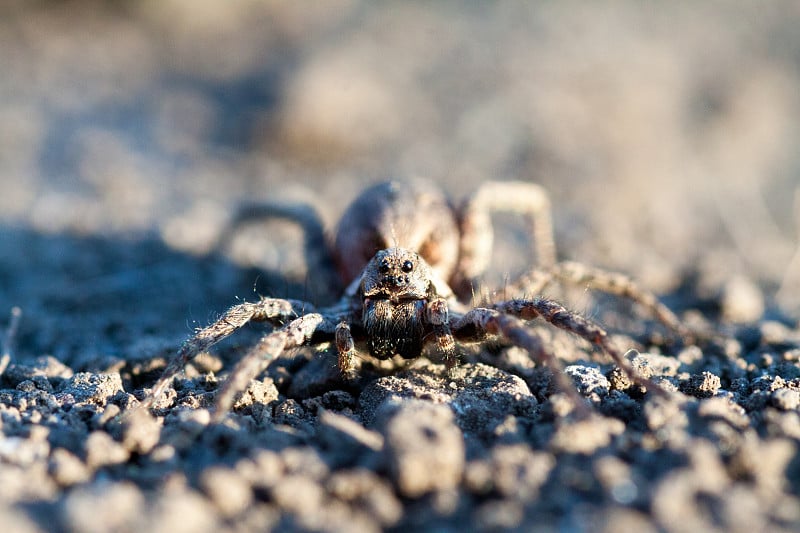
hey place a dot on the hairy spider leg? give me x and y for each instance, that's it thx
(612, 283)
(267, 309)
(512, 328)
(316, 250)
(562, 318)
(516, 197)
(438, 317)
(295, 334)
(346, 348)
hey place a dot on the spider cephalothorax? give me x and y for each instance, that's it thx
(395, 290)
(411, 261)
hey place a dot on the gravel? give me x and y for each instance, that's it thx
(127, 139)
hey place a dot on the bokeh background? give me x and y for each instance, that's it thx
(667, 134)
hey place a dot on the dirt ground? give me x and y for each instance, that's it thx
(666, 134)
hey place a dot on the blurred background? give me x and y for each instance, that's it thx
(667, 133)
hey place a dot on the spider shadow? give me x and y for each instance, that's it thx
(98, 302)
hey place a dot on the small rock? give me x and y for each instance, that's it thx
(646, 365)
(67, 469)
(481, 396)
(585, 436)
(230, 492)
(665, 416)
(657, 364)
(263, 470)
(102, 450)
(615, 476)
(304, 461)
(257, 392)
(177, 509)
(47, 366)
(366, 490)
(742, 301)
(589, 381)
(96, 389)
(104, 506)
(182, 428)
(15, 519)
(724, 409)
(298, 494)
(499, 515)
(518, 472)
(291, 413)
(140, 432)
(345, 438)
(424, 447)
(786, 399)
(703, 385)
(776, 333)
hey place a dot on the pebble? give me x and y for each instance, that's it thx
(424, 447)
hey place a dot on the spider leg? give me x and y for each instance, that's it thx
(295, 334)
(266, 309)
(522, 198)
(559, 316)
(346, 348)
(480, 321)
(315, 245)
(609, 282)
(439, 319)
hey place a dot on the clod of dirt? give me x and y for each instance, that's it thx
(589, 381)
(102, 450)
(742, 301)
(140, 432)
(95, 389)
(585, 436)
(702, 385)
(347, 441)
(485, 400)
(67, 469)
(229, 491)
(368, 492)
(424, 447)
(513, 471)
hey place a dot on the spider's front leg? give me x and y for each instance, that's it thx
(346, 348)
(438, 316)
(561, 317)
(295, 334)
(481, 321)
(267, 309)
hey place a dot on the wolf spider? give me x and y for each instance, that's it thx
(412, 260)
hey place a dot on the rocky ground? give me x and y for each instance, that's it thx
(129, 133)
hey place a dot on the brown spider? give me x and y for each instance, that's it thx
(412, 260)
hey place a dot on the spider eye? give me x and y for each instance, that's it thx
(408, 266)
(383, 267)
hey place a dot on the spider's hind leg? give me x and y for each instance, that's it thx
(613, 283)
(316, 251)
(516, 197)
